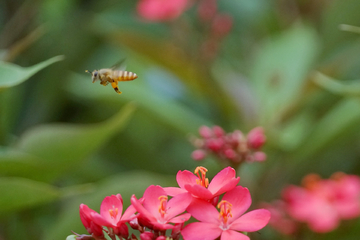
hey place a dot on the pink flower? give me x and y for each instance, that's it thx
(279, 218)
(198, 154)
(346, 195)
(256, 138)
(111, 215)
(87, 221)
(323, 203)
(161, 10)
(156, 212)
(200, 187)
(229, 222)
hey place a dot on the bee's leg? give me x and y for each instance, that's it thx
(114, 85)
(104, 82)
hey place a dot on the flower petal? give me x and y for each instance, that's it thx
(100, 220)
(129, 214)
(161, 226)
(152, 201)
(233, 235)
(145, 214)
(252, 221)
(109, 205)
(324, 226)
(240, 199)
(199, 191)
(185, 177)
(181, 218)
(173, 191)
(201, 230)
(223, 181)
(203, 211)
(177, 205)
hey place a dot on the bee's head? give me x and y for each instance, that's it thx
(95, 75)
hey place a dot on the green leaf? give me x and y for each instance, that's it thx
(20, 193)
(281, 69)
(341, 119)
(342, 88)
(17, 163)
(60, 146)
(12, 75)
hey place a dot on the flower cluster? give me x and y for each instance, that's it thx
(197, 197)
(321, 203)
(233, 148)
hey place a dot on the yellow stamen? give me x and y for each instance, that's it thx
(162, 208)
(202, 181)
(311, 181)
(225, 210)
(113, 212)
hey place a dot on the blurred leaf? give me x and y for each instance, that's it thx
(20, 193)
(17, 163)
(341, 119)
(166, 110)
(342, 88)
(281, 67)
(349, 28)
(335, 14)
(126, 184)
(293, 133)
(62, 145)
(12, 74)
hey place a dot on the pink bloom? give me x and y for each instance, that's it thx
(111, 215)
(306, 206)
(156, 212)
(346, 195)
(279, 218)
(198, 154)
(147, 236)
(259, 156)
(205, 132)
(229, 222)
(200, 187)
(323, 203)
(256, 138)
(86, 219)
(161, 10)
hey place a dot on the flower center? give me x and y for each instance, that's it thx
(202, 181)
(113, 212)
(225, 212)
(311, 181)
(162, 208)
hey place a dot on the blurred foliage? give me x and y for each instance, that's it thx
(286, 65)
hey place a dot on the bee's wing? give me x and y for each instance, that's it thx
(120, 65)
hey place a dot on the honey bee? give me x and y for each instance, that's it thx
(110, 75)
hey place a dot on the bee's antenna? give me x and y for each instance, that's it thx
(87, 71)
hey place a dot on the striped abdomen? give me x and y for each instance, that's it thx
(119, 75)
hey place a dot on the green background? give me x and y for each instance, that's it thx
(285, 66)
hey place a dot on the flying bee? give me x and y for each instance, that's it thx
(110, 75)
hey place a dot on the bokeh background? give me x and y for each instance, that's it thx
(290, 66)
